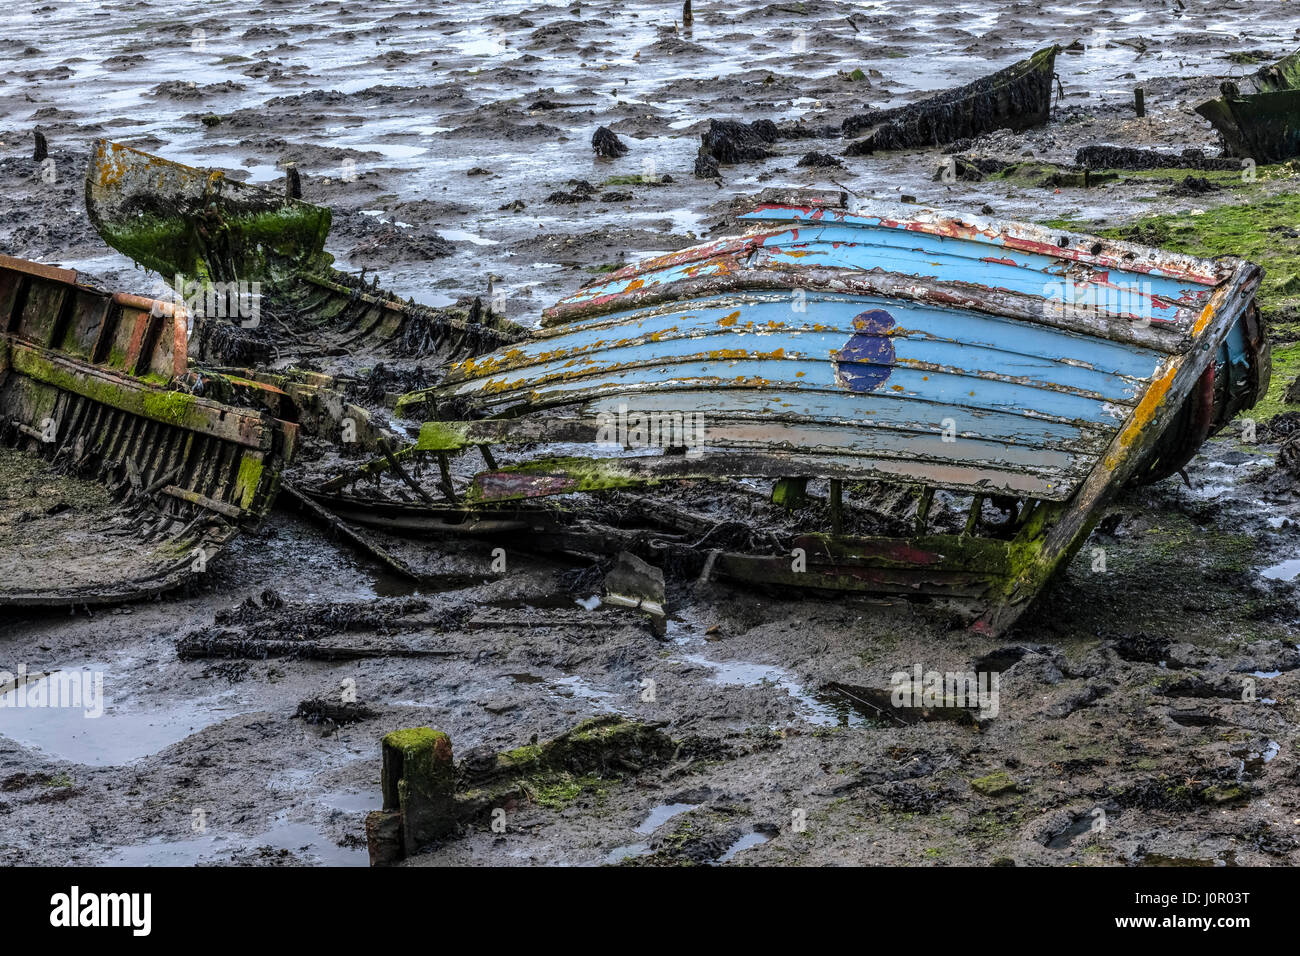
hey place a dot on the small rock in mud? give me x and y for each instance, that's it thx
(819, 160)
(582, 191)
(607, 144)
(1194, 186)
(729, 142)
(995, 784)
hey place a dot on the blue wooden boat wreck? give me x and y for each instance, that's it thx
(1019, 373)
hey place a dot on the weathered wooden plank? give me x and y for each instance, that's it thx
(722, 434)
(957, 391)
(781, 312)
(122, 392)
(558, 476)
(862, 246)
(733, 277)
(860, 363)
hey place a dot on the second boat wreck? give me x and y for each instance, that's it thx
(241, 245)
(118, 479)
(1261, 124)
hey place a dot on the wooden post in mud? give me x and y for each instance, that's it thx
(419, 782)
(687, 16)
(1139, 101)
(40, 150)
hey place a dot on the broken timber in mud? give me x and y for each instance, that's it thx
(1008, 377)
(1016, 98)
(218, 233)
(1264, 125)
(117, 481)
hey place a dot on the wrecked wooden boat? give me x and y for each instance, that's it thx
(259, 281)
(976, 391)
(1262, 125)
(117, 480)
(1017, 97)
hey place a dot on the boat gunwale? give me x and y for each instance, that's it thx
(780, 277)
(1114, 254)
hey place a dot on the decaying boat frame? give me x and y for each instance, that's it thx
(933, 420)
(214, 231)
(650, 330)
(1017, 97)
(1262, 125)
(147, 481)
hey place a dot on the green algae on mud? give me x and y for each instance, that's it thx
(1264, 230)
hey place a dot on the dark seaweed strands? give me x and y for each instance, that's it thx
(1015, 98)
(1127, 157)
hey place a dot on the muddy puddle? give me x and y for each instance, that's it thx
(1123, 690)
(77, 722)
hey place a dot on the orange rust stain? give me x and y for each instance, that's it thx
(1143, 414)
(729, 320)
(634, 285)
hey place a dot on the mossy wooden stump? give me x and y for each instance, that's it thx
(419, 781)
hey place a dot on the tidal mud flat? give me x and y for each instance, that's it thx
(1157, 686)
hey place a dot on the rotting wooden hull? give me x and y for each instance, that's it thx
(986, 362)
(209, 229)
(116, 482)
(1017, 97)
(1263, 125)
